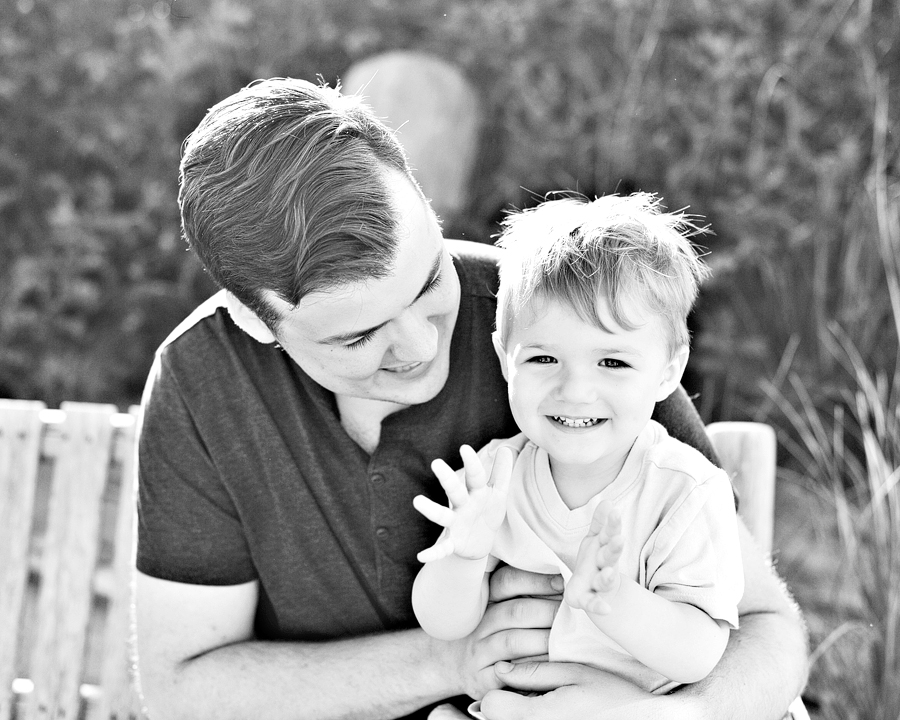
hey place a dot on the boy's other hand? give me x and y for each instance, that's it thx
(596, 577)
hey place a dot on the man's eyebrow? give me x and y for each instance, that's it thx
(343, 338)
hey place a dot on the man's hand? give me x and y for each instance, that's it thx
(477, 507)
(596, 577)
(577, 691)
(515, 627)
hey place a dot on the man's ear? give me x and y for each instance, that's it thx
(673, 372)
(247, 320)
(501, 354)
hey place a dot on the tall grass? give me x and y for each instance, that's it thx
(840, 423)
(853, 453)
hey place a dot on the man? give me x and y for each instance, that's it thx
(289, 422)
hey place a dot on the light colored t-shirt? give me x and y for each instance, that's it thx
(679, 528)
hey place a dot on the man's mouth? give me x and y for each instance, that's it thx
(400, 369)
(576, 422)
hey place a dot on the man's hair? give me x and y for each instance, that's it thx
(620, 248)
(283, 188)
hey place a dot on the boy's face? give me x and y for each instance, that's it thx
(581, 393)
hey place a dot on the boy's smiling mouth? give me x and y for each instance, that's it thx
(571, 422)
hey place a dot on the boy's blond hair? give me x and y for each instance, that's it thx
(621, 248)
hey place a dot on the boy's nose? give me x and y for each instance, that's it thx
(576, 386)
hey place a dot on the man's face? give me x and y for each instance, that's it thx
(581, 393)
(386, 338)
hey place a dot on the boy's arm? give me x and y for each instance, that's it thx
(678, 640)
(763, 669)
(450, 595)
(450, 592)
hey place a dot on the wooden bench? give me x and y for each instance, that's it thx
(66, 524)
(66, 499)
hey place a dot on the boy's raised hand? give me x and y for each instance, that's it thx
(596, 575)
(477, 506)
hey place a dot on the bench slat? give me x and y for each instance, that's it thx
(68, 561)
(117, 695)
(20, 440)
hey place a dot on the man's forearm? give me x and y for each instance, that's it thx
(765, 662)
(374, 677)
(762, 671)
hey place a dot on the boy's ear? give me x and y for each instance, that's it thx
(501, 353)
(673, 372)
(247, 320)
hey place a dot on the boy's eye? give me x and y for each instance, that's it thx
(542, 359)
(613, 363)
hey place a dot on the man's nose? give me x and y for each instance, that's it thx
(416, 337)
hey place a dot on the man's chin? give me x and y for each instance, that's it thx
(418, 387)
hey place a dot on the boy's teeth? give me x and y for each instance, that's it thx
(576, 422)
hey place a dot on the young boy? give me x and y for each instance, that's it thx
(591, 334)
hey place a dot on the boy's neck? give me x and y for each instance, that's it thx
(577, 484)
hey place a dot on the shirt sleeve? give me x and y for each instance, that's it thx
(188, 529)
(695, 557)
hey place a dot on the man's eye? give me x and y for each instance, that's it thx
(362, 341)
(434, 283)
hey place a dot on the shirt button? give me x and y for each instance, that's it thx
(382, 532)
(377, 479)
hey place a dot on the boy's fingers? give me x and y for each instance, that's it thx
(475, 475)
(609, 553)
(599, 606)
(449, 480)
(604, 580)
(614, 523)
(438, 514)
(501, 473)
(441, 549)
(601, 516)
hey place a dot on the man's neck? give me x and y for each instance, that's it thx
(362, 418)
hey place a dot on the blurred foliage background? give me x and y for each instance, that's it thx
(775, 119)
(759, 115)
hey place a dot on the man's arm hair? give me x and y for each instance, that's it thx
(198, 659)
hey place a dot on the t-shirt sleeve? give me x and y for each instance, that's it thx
(695, 556)
(681, 420)
(188, 529)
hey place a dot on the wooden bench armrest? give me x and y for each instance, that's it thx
(747, 451)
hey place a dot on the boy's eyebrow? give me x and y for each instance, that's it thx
(612, 350)
(343, 338)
